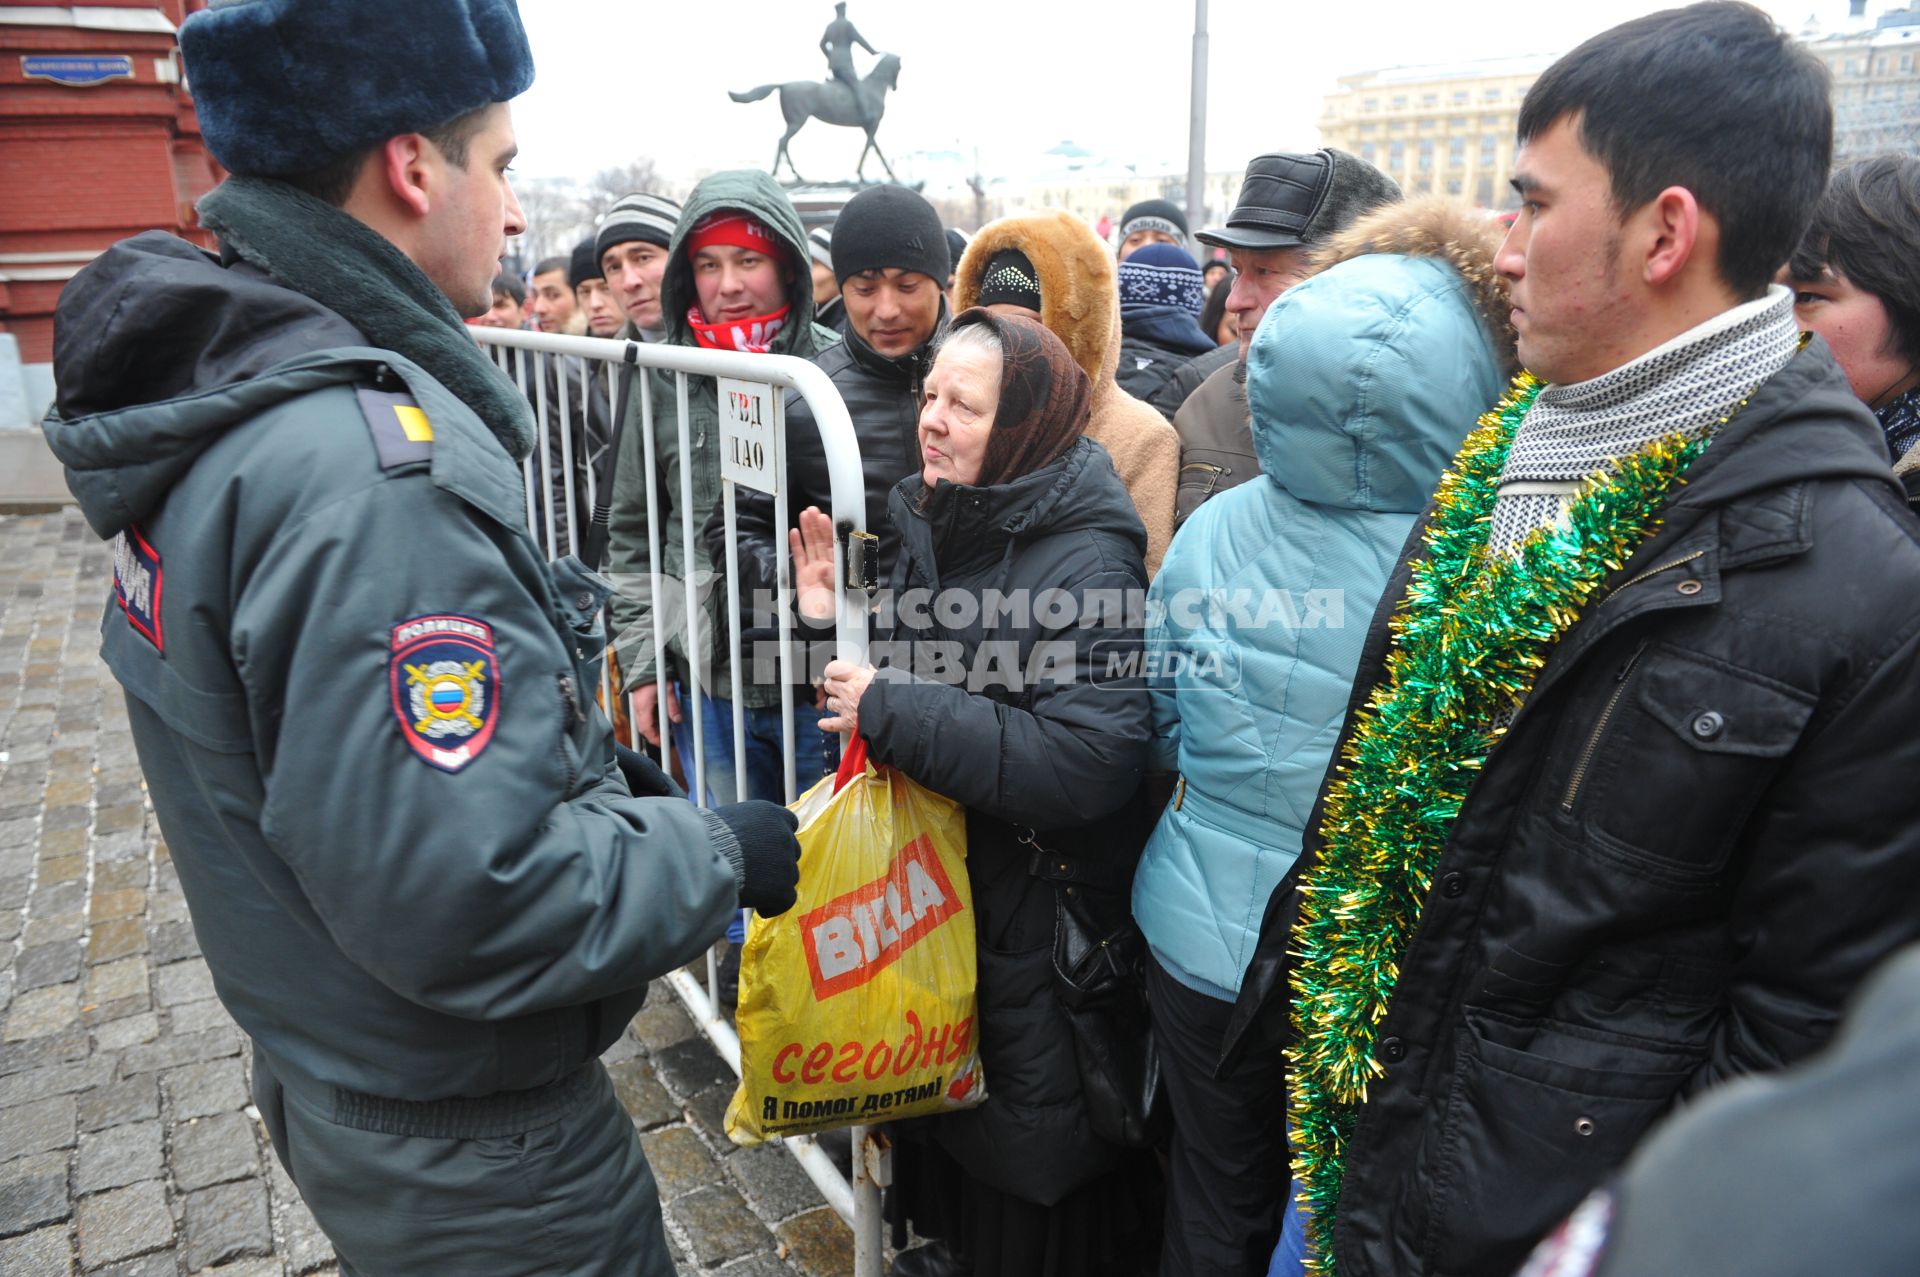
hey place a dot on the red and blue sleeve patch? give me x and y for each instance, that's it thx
(136, 583)
(445, 681)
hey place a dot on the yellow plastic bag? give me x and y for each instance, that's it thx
(857, 1005)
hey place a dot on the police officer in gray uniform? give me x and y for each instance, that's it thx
(415, 863)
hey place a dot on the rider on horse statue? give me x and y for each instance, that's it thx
(847, 99)
(837, 43)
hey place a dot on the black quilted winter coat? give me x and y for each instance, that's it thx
(1700, 832)
(1054, 763)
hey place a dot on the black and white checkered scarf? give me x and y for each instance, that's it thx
(1684, 387)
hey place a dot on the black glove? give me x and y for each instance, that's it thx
(644, 776)
(769, 863)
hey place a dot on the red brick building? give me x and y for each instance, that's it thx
(98, 141)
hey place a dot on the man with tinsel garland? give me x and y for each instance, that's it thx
(1623, 805)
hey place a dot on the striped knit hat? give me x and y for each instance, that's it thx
(820, 246)
(643, 217)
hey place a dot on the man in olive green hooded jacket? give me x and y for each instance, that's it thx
(738, 278)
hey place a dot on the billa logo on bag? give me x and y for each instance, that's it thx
(854, 937)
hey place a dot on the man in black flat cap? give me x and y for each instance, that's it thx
(361, 697)
(1289, 203)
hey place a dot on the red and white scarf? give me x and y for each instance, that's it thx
(753, 335)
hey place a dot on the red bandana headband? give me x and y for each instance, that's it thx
(736, 230)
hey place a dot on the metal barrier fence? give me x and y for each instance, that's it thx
(570, 381)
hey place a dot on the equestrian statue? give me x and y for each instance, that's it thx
(847, 99)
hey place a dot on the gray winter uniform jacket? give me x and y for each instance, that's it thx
(360, 695)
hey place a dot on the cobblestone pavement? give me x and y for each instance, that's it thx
(128, 1144)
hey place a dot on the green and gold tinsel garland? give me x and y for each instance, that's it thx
(1469, 639)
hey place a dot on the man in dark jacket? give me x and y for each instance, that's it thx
(1624, 804)
(598, 303)
(419, 875)
(1289, 203)
(1160, 301)
(890, 256)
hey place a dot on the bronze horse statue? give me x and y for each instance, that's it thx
(832, 102)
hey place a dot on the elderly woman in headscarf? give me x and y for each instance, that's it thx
(1017, 712)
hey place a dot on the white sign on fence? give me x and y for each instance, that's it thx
(752, 443)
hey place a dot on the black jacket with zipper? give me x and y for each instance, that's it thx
(1699, 833)
(1052, 763)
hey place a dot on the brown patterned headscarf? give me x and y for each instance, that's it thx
(1045, 399)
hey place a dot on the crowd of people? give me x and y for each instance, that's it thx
(1465, 666)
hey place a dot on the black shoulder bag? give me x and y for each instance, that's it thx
(1099, 975)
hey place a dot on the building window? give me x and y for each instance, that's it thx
(1397, 126)
(1483, 192)
(1491, 95)
(1426, 154)
(1367, 150)
(1456, 153)
(1460, 95)
(1422, 185)
(1456, 121)
(1397, 155)
(1487, 148)
(1906, 62)
(1371, 126)
(1371, 104)
(1453, 186)
(1492, 121)
(1429, 99)
(1400, 102)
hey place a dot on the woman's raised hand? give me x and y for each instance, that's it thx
(813, 551)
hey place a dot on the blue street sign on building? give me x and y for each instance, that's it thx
(76, 69)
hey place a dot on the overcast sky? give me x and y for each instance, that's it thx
(620, 79)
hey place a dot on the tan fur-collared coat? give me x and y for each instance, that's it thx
(1080, 303)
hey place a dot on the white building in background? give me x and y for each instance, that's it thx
(1444, 128)
(1875, 63)
(1449, 128)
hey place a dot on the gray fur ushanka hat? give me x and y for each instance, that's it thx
(284, 86)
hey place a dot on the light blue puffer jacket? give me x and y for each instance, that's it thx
(1363, 381)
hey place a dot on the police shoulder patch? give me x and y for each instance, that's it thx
(402, 434)
(445, 683)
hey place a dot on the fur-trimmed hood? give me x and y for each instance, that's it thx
(1364, 378)
(1433, 226)
(1080, 303)
(1079, 298)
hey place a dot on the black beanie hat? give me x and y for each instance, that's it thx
(888, 227)
(1154, 215)
(585, 265)
(1009, 278)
